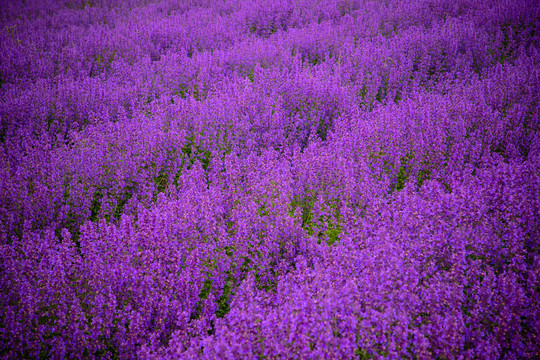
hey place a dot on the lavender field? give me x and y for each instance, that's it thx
(270, 179)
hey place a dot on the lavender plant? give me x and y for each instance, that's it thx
(277, 179)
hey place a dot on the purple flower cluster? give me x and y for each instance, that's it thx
(333, 179)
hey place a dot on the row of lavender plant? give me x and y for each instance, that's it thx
(276, 179)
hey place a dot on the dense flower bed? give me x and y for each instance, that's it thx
(275, 179)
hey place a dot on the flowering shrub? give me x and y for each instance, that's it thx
(270, 179)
